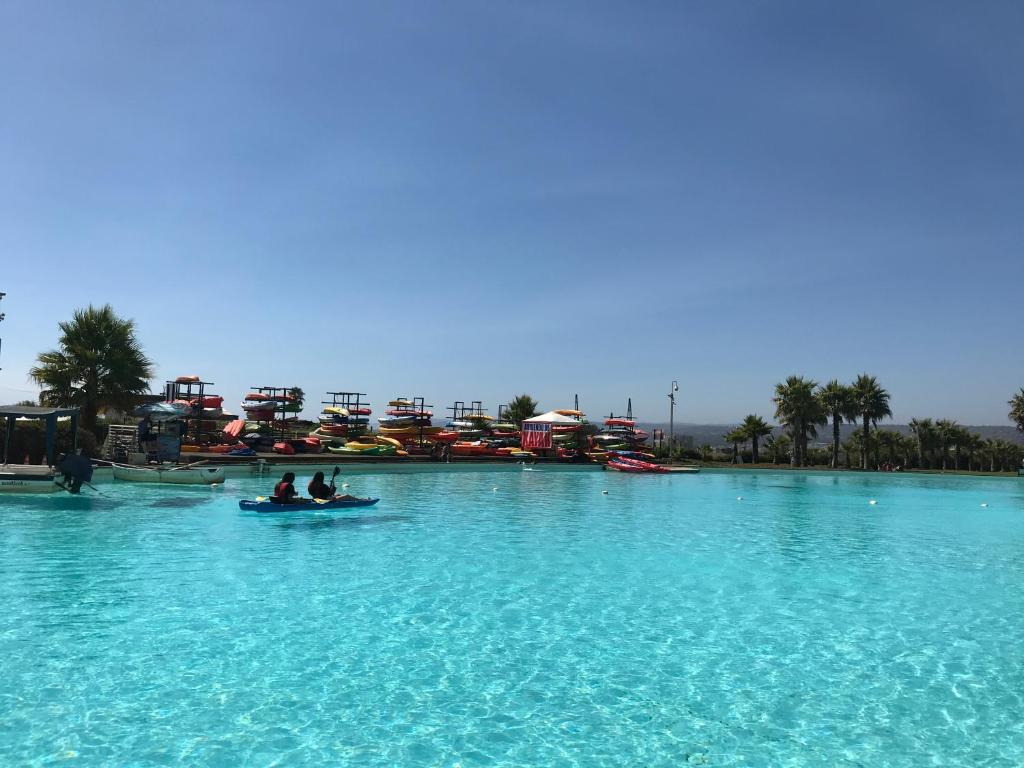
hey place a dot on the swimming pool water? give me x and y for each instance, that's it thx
(514, 619)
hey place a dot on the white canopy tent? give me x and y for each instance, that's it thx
(552, 417)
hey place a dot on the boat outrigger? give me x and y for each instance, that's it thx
(67, 473)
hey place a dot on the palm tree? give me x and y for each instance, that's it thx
(924, 431)
(754, 427)
(777, 445)
(99, 363)
(945, 431)
(520, 408)
(1017, 409)
(852, 447)
(888, 439)
(797, 409)
(972, 445)
(961, 442)
(706, 452)
(736, 437)
(837, 401)
(871, 403)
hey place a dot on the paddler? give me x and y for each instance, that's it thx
(318, 489)
(284, 491)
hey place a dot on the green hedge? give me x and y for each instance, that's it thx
(29, 439)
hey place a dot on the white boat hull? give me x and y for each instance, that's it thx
(27, 479)
(193, 476)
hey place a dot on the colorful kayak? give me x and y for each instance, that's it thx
(623, 464)
(619, 422)
(395, 421)
(263, 504)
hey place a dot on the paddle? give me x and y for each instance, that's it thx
(337, 469)
(59, 484)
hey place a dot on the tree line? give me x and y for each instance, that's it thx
(802, 406)
(100, 363)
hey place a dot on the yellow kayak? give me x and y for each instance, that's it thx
(409, 431)
(400, 403)
(336, 410)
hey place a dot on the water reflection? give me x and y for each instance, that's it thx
(325, 523)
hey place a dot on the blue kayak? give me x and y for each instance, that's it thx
(266, 505)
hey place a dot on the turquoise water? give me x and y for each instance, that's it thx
(542, 623)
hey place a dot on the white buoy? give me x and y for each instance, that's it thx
(344, 485)
(739, 498)
(984, 503)
(872, 502)
(604, 493)
(494, 488)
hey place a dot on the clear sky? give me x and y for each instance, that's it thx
(469, 200)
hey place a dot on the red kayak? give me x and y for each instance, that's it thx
(472, 449)
(613, 422)
(622, 464)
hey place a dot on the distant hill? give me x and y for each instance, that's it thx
(711, 434)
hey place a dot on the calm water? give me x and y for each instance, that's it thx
(542, 623)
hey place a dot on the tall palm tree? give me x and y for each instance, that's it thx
(837, 401)
(98, 363)
(924, 431)
(754, 427)
(797, 409)
(871, 402)
(736, 437)
(520, 408)
(945, 432)
(1017, 409)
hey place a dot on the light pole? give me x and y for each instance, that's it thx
(2, 294)
(672, 417)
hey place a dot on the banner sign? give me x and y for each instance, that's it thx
(536, 434)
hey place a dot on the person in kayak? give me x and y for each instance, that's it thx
(284, 491)
(318, 489)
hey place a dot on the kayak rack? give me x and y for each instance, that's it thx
(189, 391)
(278, 426)
(351, 402)
(418, 406)
(460, 410)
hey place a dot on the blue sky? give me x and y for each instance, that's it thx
(472, 200)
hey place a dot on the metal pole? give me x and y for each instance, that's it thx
(672, 417)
